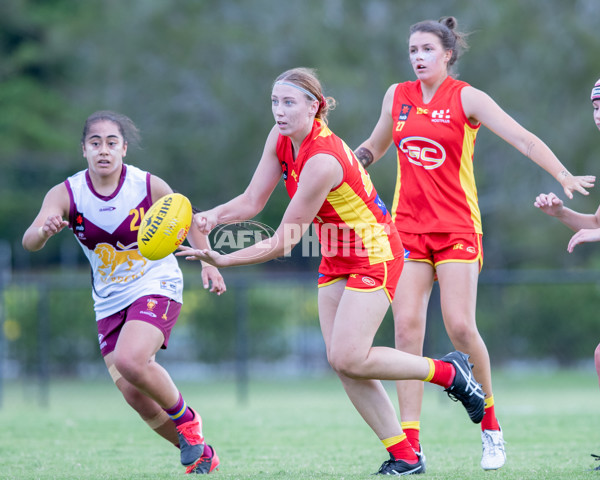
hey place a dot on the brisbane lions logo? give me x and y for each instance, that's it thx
(122, 258)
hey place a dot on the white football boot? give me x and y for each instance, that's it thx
(493, 455)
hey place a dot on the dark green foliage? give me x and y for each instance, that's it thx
(196, 77)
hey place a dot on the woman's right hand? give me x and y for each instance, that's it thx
(549, 203)
(205, 221)
(53, 225)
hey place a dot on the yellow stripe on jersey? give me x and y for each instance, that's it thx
(467, 177)
(398, 187)
(354, 212)
(325, 132)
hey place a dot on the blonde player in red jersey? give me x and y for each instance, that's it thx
(433, 122)
(362, 259)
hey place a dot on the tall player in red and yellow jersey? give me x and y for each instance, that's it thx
(433, 122)
(361, 259)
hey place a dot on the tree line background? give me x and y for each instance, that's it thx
(196, 77)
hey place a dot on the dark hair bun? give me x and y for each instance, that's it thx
(450, 22)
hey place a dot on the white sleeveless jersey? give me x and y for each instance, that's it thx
(106, 227)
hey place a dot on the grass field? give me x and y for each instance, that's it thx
(297, 429)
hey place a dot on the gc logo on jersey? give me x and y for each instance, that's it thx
(423, 152)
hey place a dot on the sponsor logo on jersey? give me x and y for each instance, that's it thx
(79, 222)
(107, 209)
(423, 152)
(380, 204)
(164, 285)
(404, 111)
(284, 168)
(442, 116)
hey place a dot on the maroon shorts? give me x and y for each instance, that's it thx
(157, 310)
(382, 275)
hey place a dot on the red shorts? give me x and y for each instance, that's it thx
(438, 248)
(383, 275)
(157, 310)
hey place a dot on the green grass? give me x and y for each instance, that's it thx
(297, 429)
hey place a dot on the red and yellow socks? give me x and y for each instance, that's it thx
(400, 448)
(412, 430)
(440, 373)
(489, 422)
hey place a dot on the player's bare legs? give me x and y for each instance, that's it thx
(349, 321)
(458, 292)
(597, 361)
(150, 411)
(410, 313)
(134, 359)
(350, 346)
(458, 298)
(368, 396)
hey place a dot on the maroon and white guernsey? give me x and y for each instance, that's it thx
(106, 227)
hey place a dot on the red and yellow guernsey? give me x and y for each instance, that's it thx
(353, 225)
(435, 185)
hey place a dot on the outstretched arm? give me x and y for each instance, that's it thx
(320, 174)
(587, 226)
(252, 201)
(374, 147)
(550, 204)
(480, 107)
(50, 220)
(211, 277)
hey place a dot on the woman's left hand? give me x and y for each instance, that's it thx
(583, 236)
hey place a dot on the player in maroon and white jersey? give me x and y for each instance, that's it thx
(137, 301)
(433, 122)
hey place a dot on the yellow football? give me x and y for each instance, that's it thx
(164, 226)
